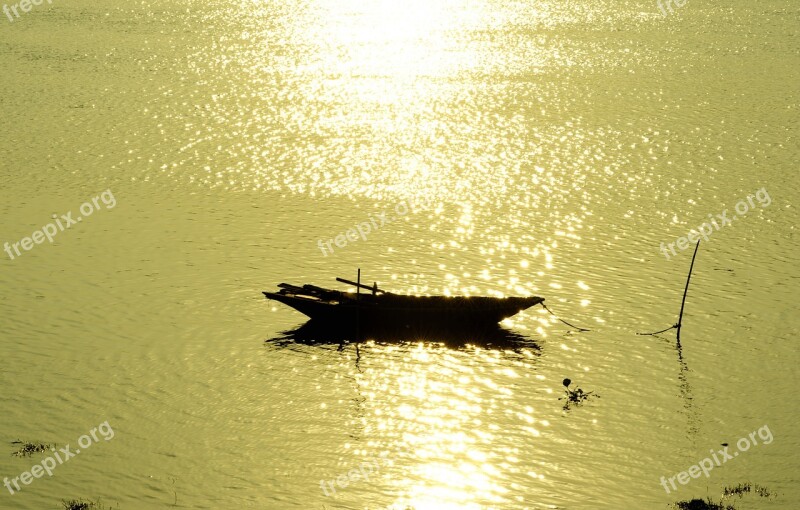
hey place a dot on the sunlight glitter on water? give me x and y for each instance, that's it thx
(550, 147)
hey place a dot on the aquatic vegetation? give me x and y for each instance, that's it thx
(743, 488)
(699, 504)
(79, 504)
(576, 396)
(28, 448)
(739, 490)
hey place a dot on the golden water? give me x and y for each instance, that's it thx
(555, 146)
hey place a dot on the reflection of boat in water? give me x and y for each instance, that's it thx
(324, 333)
(380, 310)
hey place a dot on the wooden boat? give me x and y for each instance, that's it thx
(378, 308)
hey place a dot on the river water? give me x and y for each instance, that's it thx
(502, 148)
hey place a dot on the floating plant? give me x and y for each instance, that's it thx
(744, 488)
(739, 490)
(76, 504)
(29, 448)
(699, 504)
(79, 504)
(576, 396)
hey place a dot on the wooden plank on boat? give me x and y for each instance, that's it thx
(290, 287)
(374, 288)
(320, 292)
(304, 291)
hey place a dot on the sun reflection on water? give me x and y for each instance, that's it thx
(443, 412)
(374, 103)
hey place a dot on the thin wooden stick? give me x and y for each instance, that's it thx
(685, 291)
(683, 302)
(358, 294)
(361, 286)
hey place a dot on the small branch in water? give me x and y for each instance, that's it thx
(659, 332)
(562, 320)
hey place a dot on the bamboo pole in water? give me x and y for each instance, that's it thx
(358, 295)
(678, 324)
(686, 290)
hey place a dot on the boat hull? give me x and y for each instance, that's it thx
(391, 310)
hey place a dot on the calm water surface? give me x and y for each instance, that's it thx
(554, 145)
